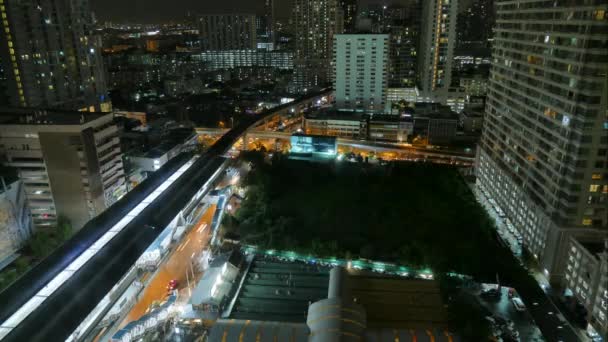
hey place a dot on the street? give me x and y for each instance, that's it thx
(523, 321)
(175, 267)
(546, 315)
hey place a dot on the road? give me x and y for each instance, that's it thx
(545, 313)
(175, 267)
(523, 321)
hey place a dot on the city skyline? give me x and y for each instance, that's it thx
(303, 170)
(158, 11)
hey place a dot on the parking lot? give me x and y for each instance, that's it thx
(507, 320)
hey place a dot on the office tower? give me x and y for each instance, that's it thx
(543, 150)
(316, 22)
(404, 29)
(50, 56)
(361, 62)
(265, 27)
(437, 41)
(475, 23)
(227, 32)
(69, 162)
(349, 11)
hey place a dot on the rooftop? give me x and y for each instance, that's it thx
(398, 302)
(255, 331)
(280, 291)
(30, 116)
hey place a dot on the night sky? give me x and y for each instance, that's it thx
(152, 11)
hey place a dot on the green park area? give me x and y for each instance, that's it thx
(418, 215)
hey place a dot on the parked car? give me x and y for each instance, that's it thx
(172, 286)
(518, 304)
(491, 294)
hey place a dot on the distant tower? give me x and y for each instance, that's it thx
(349, 10)
(437, 42)
(265, 27)
(316, 22)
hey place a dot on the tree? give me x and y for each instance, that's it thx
(64, 228)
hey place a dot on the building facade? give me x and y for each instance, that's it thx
(350, 11)
(543, 150)
(69, 162)
(230, 59)
(437, 42)
(15, 220)
(315, 22)
(51, 57)
(586, 277)
(227, 32)
(266, 35)
(335, 126)
(361, 75)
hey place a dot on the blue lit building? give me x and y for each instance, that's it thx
(313, 146)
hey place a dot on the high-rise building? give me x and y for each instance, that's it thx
(316, 22)
(227, 32)
(361, 63)
(50, 56)
(404, 29)
(265, 27)
(476, 22)
(349, 11)
(70, 163)
(543, 152)
(437, 41)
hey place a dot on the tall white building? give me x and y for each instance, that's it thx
(361, 62)
(51, 56)
(70, 163)
(543, 151)
(437, 42)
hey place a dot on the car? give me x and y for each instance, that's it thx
(518, 304)
(491, 294)
(172, 285)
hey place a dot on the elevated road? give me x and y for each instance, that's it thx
(376, 146)
(49, 302)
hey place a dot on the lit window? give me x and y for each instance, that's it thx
(594, 187)
(596, 176)
(587, 222)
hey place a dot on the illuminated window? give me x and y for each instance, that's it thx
(587, 222)
(594, 187)
(599, 14)
(596, 176)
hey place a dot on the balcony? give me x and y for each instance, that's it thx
(104, 133)
(112, 142)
